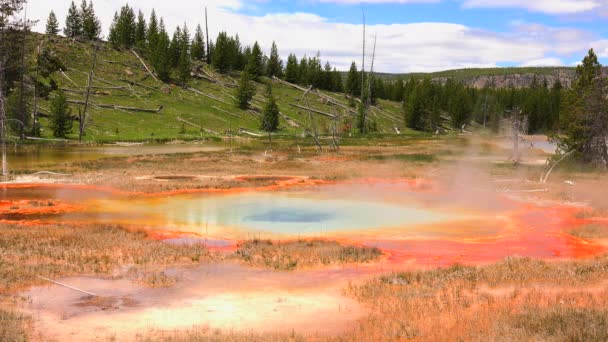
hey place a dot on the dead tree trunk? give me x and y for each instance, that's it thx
(83, 113)
(35, 125)
(207, 36)
(3, 119)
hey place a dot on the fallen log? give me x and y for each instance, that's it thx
(197, 126)
(313, 110)
(145, 66)
(225, 111)
(123, 64)
(318, 93)
(68, 286)
(68, 78)
(231, 85)
(208, 96)
(138, 84)
(45, 139)
(116, 107)
(213, 80)
(246, 132)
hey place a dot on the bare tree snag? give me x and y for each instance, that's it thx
(3, 120)
(83, 114)
(545, 177)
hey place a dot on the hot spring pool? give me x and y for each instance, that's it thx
(275, 213)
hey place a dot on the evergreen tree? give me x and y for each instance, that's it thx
(152, 34)
(221, 58)
(73, 22)
(161, 58)
(184, 65)
(245, 91)
(270, 115)
(398, 90)
(338, 83)
(555, 100)
(291, 70)
(52, 25)
(61, 120)
(91, 27)
(275, 65)
(255, 66)
(235, 54)
(460, 108)
(303, 71)
(176, 46)
(141, 32)
(122, 31)
(586, 114)
(353, 81)
(197, 49)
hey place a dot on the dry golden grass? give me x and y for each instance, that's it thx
(13, 326)
(290, 255)
(516, 300)
(207, 335)
(591, 232)
(56, 251)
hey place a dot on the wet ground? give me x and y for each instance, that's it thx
(223, 296)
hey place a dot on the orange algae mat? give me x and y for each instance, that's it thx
(440, 231)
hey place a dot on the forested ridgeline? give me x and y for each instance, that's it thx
(40, 76)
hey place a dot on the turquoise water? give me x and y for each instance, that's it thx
(290, 213)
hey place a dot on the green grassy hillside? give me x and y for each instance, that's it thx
(120, 79)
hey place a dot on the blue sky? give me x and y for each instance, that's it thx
(413, 35)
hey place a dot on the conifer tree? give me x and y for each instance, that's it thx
(270, 116)
(52, 25)
(586, 114)
(275, 65)
(61, 121)
(235, 54)
(221, 60)
(338, 83)
(245, 91)
(197, 49)
(303, 71)
(353, 81)
(161, 58)
(184, 65)
(91, 27)
(255, 65)
(122, 31)
(152, 34)
(176, 46)
(141, 32)
(73, 22)
(291, 69)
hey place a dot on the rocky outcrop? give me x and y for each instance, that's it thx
(565, 76)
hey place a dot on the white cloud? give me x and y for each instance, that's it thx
(401, 47)
(601, 48)
(543, 62)
(543, 6)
